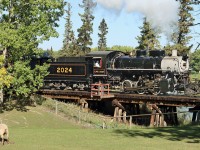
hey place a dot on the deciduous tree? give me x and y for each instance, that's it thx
(5, 77)
(126, 49)
(26, 81)
(195, 60)
(24, 24)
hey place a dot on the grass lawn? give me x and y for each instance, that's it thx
(37, 129)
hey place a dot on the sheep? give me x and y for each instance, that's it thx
(3, 132)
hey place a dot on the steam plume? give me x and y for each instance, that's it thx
(162, 14)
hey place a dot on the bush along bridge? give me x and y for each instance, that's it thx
(139, 109)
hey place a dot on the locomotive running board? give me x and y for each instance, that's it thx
(138, 69)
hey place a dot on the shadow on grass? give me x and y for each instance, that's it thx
(9, 106)
(190, 133)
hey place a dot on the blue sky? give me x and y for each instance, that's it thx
(123, 25)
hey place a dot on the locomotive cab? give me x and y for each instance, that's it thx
(101, 61)
(98, 66)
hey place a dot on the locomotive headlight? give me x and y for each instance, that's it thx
(183, 65)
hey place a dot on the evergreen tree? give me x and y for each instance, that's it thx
(181, 38)
(196, 3)
(50, 51)
(185, 21)
(69, 41)
(84, 32)
(149, 38)
(102, 35)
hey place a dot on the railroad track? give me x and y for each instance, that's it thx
(167, 100)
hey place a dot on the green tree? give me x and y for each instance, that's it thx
(5, 77)
(181, 38)
(196, 15)
(126, 49)
(24, 24)
(195, 60)
(103, 28)
(26, 81)
(69, 41)
(84, 32)
(149, 38)
(50, 51)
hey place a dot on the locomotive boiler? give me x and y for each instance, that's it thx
(149, 72)
(144, 73)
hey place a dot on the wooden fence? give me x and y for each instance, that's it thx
(100, 121)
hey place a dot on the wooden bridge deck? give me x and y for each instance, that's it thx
(124, 98)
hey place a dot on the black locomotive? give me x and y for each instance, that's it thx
(147, 72)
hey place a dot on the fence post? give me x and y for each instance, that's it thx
(104, 124)
(152, 120)
(86, 116)
(161, 120)
(124, 116)
(79, 119)
(116, 113)
(157, 119)
(56, 107)
(130, 121)
(119, 115)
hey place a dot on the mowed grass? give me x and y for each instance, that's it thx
(38, 129)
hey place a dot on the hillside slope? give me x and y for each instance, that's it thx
(38, 129)
(34, 117)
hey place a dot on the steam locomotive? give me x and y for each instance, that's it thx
(149, 72)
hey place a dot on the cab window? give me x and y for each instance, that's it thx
(97, 62)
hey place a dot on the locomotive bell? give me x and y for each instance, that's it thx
(174, 52)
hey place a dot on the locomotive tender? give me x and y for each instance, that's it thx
(154, 73)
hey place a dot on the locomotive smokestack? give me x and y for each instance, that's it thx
(174, 52)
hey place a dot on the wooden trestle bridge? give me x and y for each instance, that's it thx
(163, 107)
